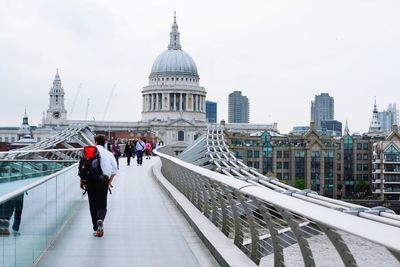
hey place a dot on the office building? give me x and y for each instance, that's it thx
(211, 111)
(238, 108)
(322, 109)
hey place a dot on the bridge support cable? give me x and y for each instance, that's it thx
(215, 155)
(65, 145)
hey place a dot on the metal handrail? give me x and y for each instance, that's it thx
(38, 151)
(328, 220)
(28, 187)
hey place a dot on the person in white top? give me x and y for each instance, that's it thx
(98, 188)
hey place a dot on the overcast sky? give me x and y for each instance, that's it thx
(280, 54)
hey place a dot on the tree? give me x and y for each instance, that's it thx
(299, 183)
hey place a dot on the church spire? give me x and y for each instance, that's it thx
(174, 36)
(346, 129)
(375, 128)
(375, 108)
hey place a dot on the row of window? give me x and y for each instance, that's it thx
(174, 79)
(254, 164)
(361, 146)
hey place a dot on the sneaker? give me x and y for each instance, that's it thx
(16, 233)
(100, 231)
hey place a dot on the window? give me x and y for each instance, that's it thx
(181, 136)
(338, 156)
(250, 163)
(12, 139)
(359, 156)
(359, 167)
(286, 165)
(365, 156)
(365, 167)
(6, 139)
(256, 164)
(286, 154)
(365, 146)
(249, 153)
(279, 165)
(359, 146)
(279, 176)
(1, 139)
(256, 153)
(279, 154)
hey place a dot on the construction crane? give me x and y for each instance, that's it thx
(75, 98)
(87, 108)
(108, 101)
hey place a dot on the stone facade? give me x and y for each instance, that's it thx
(332, 166)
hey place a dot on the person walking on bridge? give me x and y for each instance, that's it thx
(115, 149)
(140, 146)
(128, 152)
(97, 187)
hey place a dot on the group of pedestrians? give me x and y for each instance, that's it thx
(133, 149)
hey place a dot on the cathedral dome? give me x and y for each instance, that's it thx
(174, 61)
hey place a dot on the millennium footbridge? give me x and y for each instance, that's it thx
(201, 208)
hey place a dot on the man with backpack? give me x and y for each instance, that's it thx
(97, 169)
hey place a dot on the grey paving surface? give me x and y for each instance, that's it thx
(142, 228)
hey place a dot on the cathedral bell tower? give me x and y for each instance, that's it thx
(56, 113)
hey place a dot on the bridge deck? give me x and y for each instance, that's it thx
(142, 228)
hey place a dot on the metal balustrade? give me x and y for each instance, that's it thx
(45, 204)
(265, 217)
(211, 152)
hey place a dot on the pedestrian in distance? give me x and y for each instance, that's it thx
(128, 152)
(140, 147)
(116, 151)
(148, 150)
(97, 169)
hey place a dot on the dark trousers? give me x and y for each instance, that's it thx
(117, 159)
(139, 155)
(14, 205)
(128, 160)
(97, 194)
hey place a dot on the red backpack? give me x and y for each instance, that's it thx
(89, 164)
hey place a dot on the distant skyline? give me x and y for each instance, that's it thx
(280, 54)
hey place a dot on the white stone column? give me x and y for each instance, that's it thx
(174, 102)
(157, 101)
(198, 102)
(143, 103)
(180, 102)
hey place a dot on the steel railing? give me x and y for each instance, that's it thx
(264, 222)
